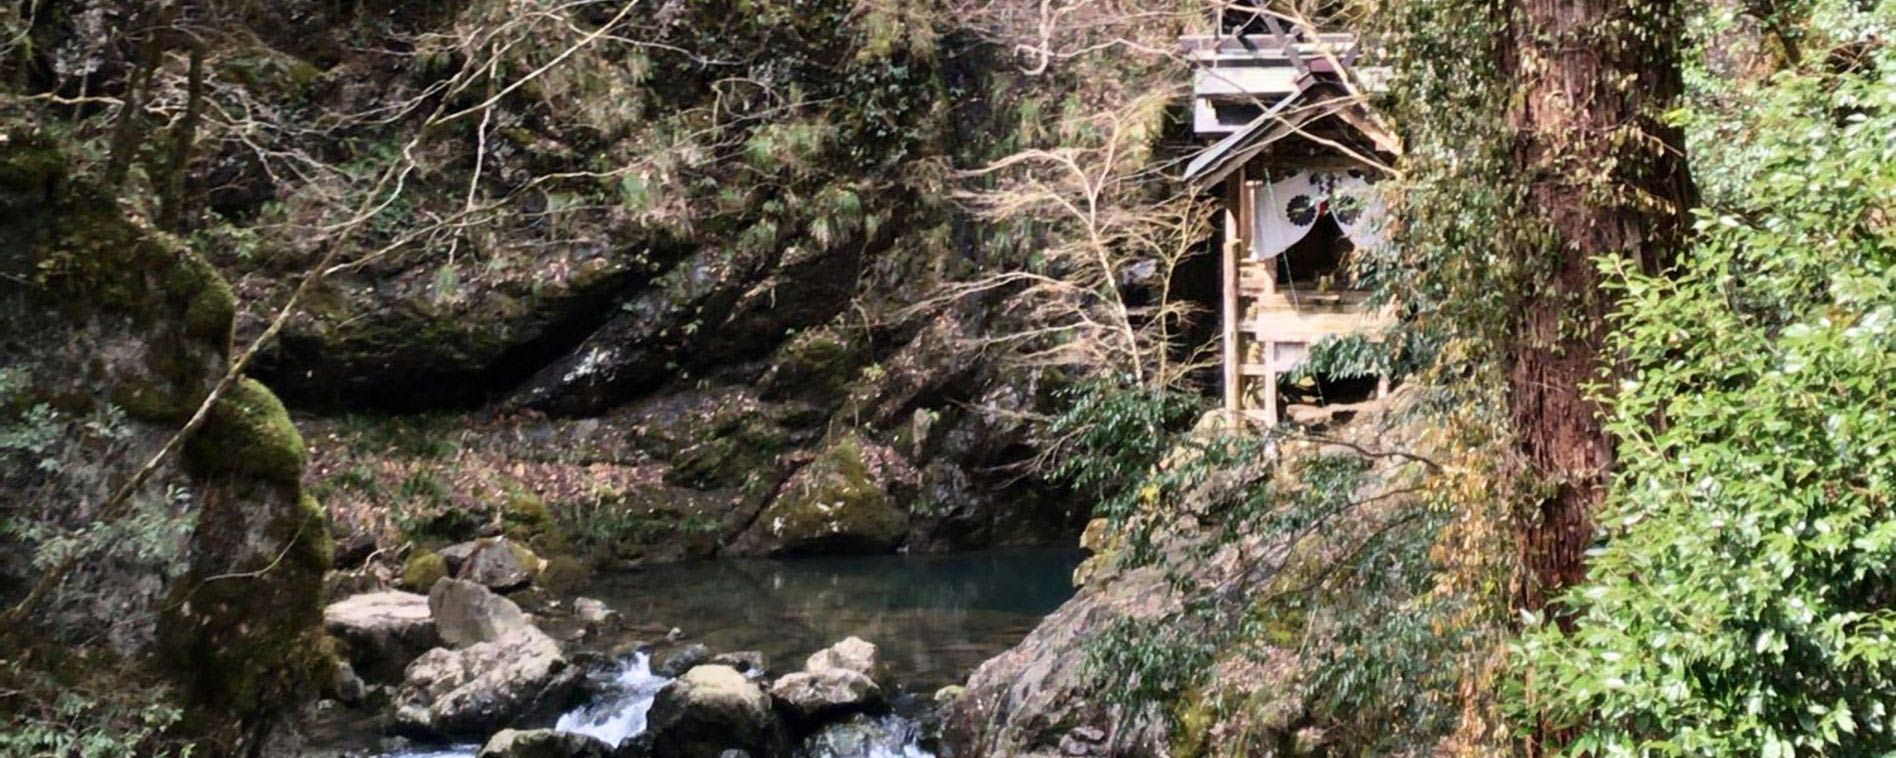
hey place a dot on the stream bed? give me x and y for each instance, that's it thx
(933, 618)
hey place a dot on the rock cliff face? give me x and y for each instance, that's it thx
(113, 334)
(671, 292)
(690, 274)
(1235, 683)
(1042, 697)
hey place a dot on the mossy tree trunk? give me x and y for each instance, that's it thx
(1590, 80)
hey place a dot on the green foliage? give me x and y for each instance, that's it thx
(1109, 436)
(1738, 599)
(1347, 356)
(44, 453)
(52, 703)
(32, 433)
(57, 705)
(1458, 199)
(626, 525)
(1142, 662)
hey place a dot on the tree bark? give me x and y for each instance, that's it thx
(183, 139)
(1603, 175)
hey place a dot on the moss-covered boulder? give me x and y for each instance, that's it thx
(423, 569)
(840, 502)
(817, 363)
(500, 564)
(209, 577)
(710, 710)
(248, 433)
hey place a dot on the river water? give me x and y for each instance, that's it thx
(933, 618)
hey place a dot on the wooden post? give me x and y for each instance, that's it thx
(1270, 383)
(1233, 246)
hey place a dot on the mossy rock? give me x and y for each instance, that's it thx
(249, 640)
(92, 267)
(113, 311)
(816, 363)
(833, 505)
(563, 573)
(315, 543)
(249, 433)
(210, 307)
(729, 450)
(526, 519)
(423, 569)
(104, 261)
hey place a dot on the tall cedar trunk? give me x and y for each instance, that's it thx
(1589, 78)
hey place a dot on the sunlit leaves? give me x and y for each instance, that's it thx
(1740, 594)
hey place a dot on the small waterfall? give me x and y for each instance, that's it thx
(627, 692)
(887, 736)
(625, 697)
(619, 713)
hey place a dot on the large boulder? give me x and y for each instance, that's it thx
(836, 680)
(381, 632)
(500, 564)
(853, 654)
(840, 502)
(809, 697)
(543, 743)
(517, 679)
(466, 613)
(114, 332)
(675, 662)
(1041, 697)
(712, 709)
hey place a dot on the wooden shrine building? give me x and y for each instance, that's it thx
(1292, 150)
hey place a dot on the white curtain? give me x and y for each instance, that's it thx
(1285, 208)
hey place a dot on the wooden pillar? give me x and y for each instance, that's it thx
(1233, 247)
(1270, 382)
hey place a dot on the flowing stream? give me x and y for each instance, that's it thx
(932, 617)
(620, 715)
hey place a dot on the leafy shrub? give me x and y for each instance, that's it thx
(88, 724)
(1739, 599)
(1109, 437)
